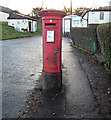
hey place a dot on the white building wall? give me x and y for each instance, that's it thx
(34, 26)
(3, 16)
(86, 16)
(76, 21)
(63, 25)
(94, 17)
(19, 24)
(83, 23)
(66, 24)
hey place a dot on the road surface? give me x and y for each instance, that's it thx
(21, 68)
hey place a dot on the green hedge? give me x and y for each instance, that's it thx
(104, 37)
(85, 38)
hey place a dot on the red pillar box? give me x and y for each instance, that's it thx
(52, 45)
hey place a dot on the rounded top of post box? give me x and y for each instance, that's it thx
(52, 12)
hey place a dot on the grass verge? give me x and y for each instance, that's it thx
(7, 32)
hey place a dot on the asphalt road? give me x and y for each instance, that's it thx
(21, 68)
(21, 75)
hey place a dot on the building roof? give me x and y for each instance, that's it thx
(13, 15)
(5, 9)
(84, 13)
(19, 16)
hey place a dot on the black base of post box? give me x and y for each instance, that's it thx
(52, 82)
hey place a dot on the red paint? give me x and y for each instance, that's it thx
(52, 21)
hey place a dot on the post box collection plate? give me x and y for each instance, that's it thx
(50, 35)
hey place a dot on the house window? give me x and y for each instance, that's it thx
(101, 15)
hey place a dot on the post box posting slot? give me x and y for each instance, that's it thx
(51, 23)
(46, 24)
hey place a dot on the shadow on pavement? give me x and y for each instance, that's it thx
(43, 105)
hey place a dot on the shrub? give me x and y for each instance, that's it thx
(104, 37)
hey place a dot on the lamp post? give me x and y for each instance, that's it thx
(71, 6)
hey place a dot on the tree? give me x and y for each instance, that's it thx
(80, 10)
(67, 10)
(35, 11)
(77, 11)
(105, 8)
